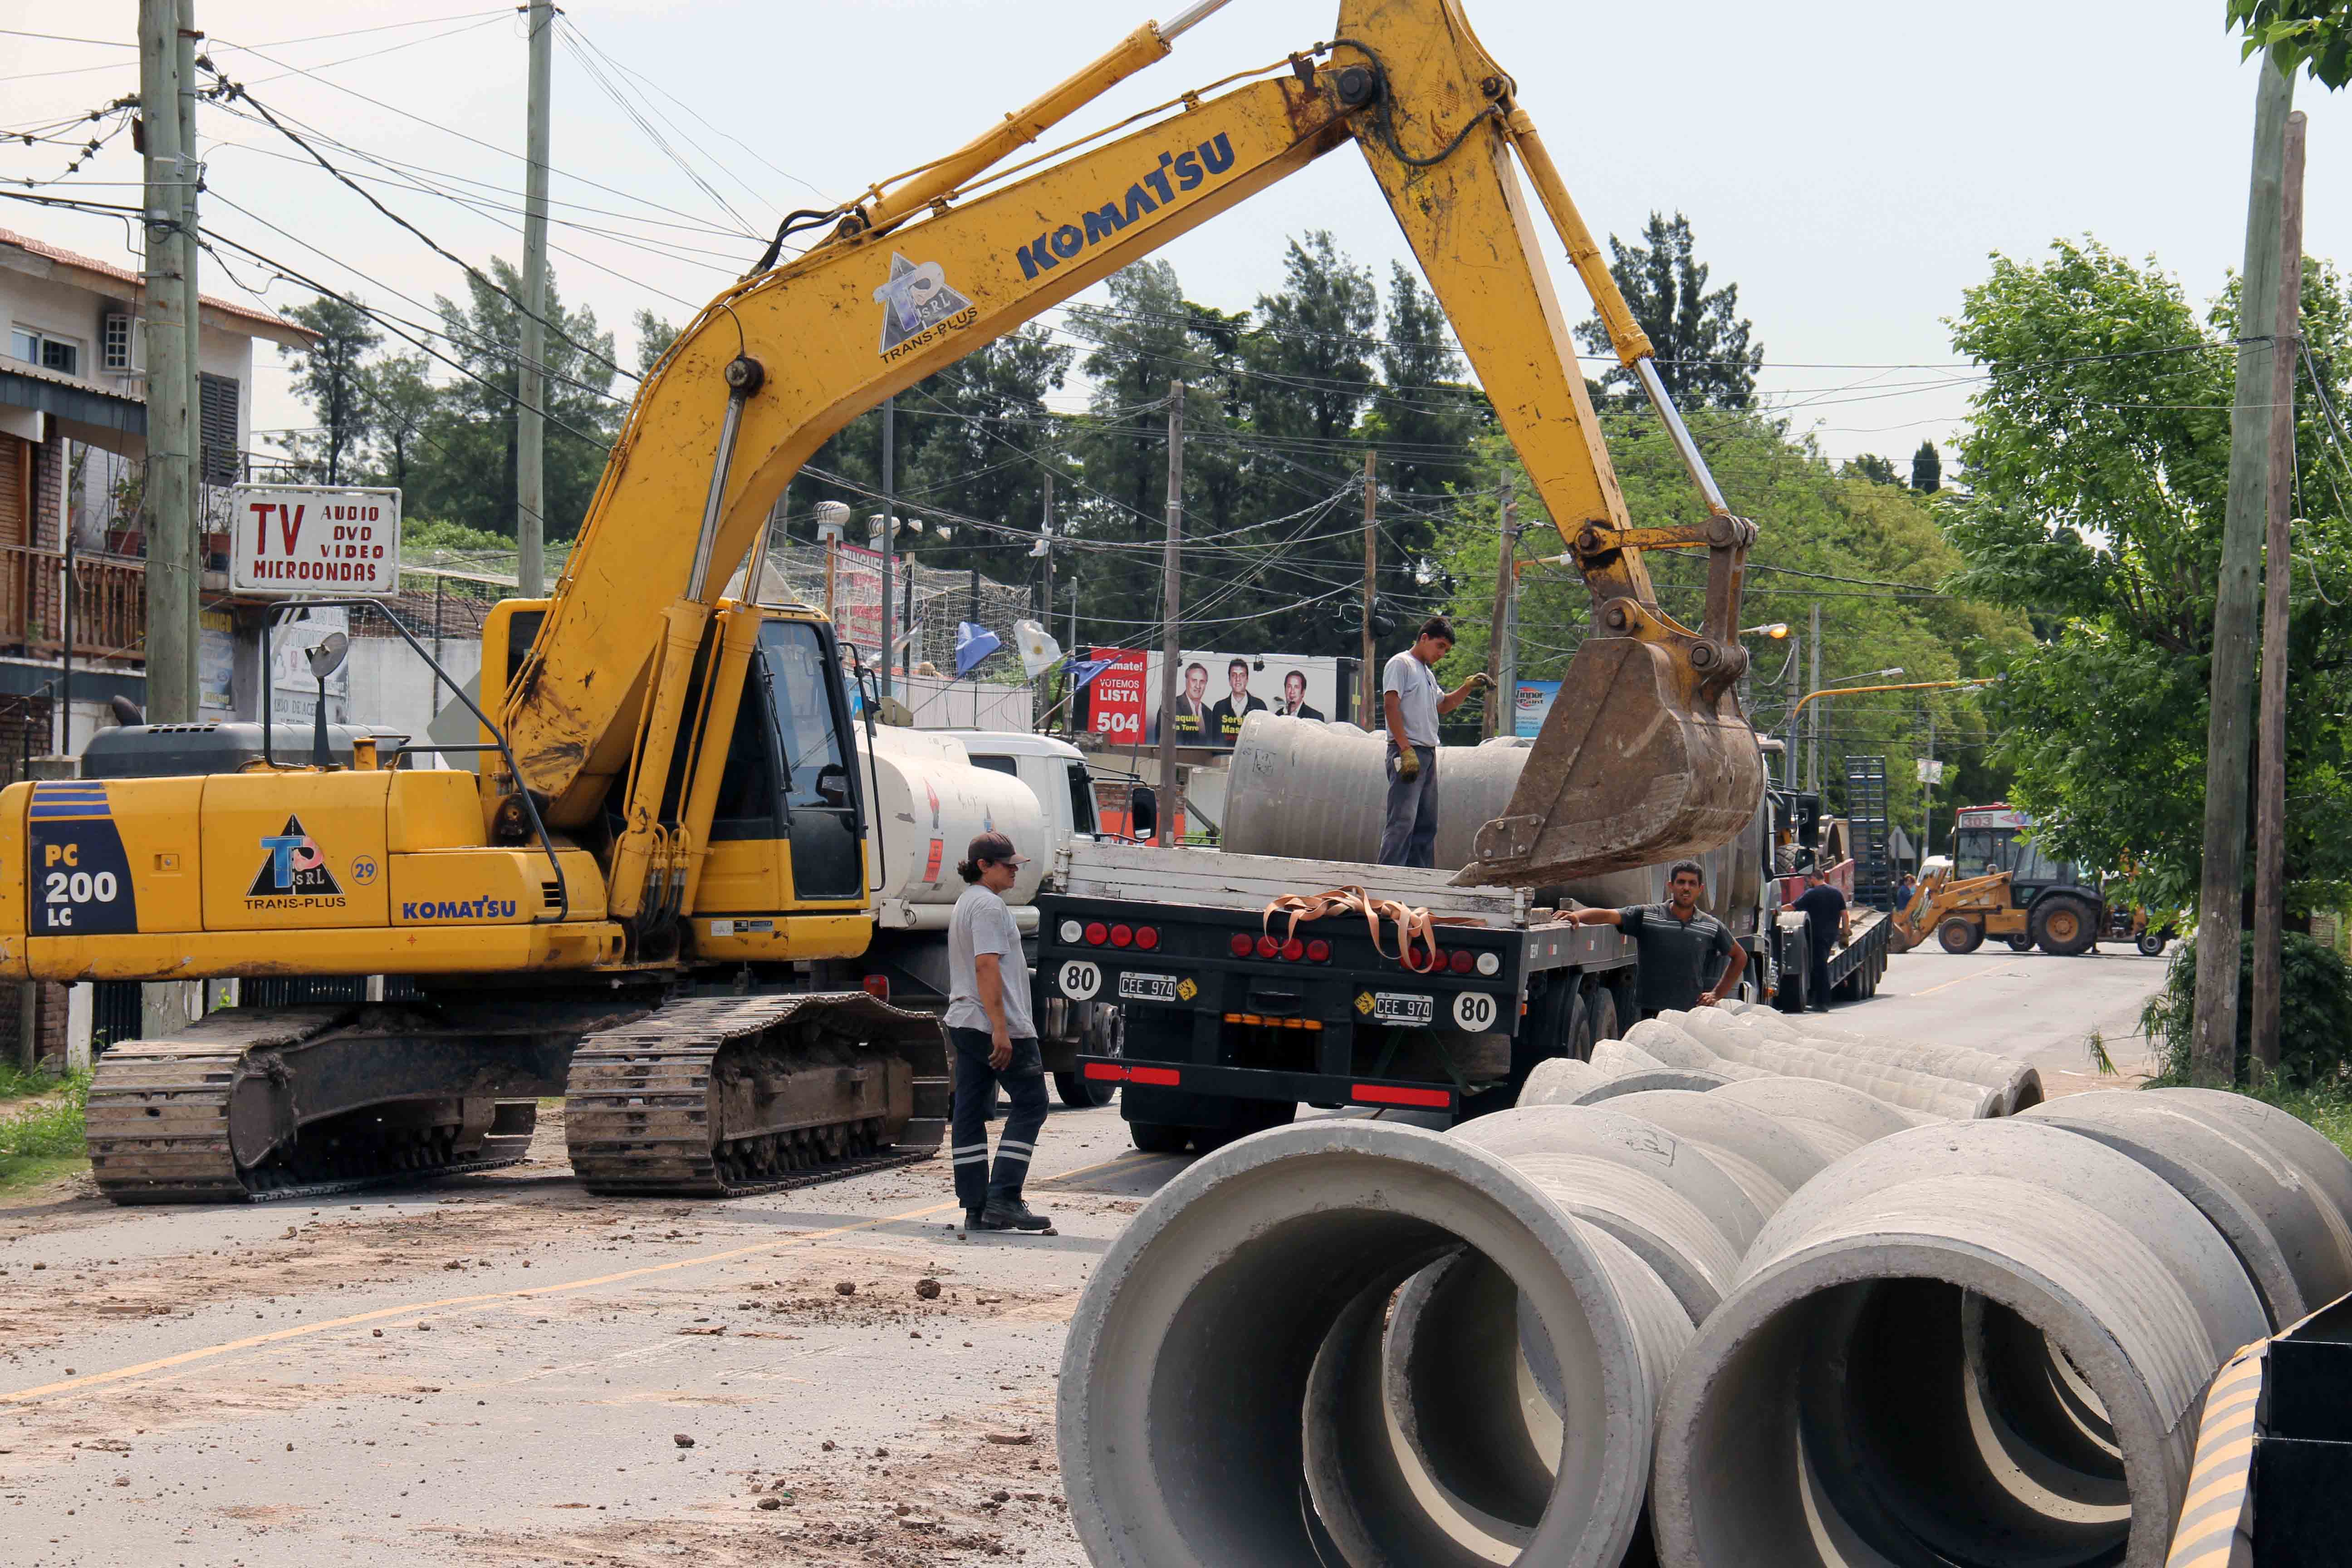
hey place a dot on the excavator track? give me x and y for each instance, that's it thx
(215, 1115)
(722, 1097)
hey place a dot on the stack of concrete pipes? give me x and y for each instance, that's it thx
(1740, 1292)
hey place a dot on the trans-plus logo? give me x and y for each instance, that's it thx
(293, 866)
(916, 299)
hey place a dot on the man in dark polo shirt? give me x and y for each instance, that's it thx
(1824, 909)
(1688, 959)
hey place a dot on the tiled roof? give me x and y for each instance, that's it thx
(279, 325)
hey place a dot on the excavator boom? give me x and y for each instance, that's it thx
(1646, 755)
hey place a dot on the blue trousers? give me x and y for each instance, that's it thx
(975, 1090)
(1409, 831)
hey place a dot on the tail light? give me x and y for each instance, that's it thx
(1147, 937)
(1097, 933)
(1241, 944)
(1122, 935)
(878, 986)
(1318, 952)
(1293, 951)
(1459, 960)
(1268, 948)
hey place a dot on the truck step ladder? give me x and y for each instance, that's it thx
(1865, 809)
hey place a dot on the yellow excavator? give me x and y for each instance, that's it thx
(651, 896)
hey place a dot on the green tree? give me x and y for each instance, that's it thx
(2098, 459)
(1424, 416)
(466, 468)
(400, 398)
(1870, 466)
(1927, 469)
(2317, 33)
(654, 338)
(328, 376)
(1705, 356)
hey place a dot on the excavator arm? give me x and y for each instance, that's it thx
(1646, 755)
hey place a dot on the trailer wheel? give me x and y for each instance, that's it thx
(1796, 972)
(2020, 943)
(1576, 1039)
(2151, 943)
(1104, 1037)
(1959, 934)
(1249, 1116)
(1603, 1010)
(2063, 927)
(1157, 1137)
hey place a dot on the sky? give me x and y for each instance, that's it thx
(1850, 165)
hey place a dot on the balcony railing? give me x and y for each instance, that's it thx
(110, 618)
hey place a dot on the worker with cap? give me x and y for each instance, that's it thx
(988, 1023)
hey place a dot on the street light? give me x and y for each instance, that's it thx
(1776, 630)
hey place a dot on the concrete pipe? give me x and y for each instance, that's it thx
(1225, 1361)
(1318, 792)
(2286, 1235)
(1559, 1080)
(1646, 1082)
(1898, 1086)
(1982, 1343)
(1835, 1119)
(2306, 1149)
(1617, 1057)
(2019, 1083)
(1768, 1160)
(1683, 1218)
(1675, 1048)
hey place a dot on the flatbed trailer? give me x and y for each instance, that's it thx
(1231, 1021)
(1855, 967)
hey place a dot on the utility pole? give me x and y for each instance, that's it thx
(169, 490)
(1788, 749)
(530, 378)
(1928, 810)
(1501, 664)
(1045, 533)
(1171, 651)
(191, 171)
(2213, 1051)
(1813, 684)
(1368, 669)
(2278, 571)
(889, 522)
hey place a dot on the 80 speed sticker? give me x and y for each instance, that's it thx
(1079, 979)
(1474, 1012)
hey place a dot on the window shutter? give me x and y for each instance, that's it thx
(221, 464)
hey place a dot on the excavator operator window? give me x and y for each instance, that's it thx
(818, 791)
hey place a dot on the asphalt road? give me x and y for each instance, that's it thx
(497, 1369)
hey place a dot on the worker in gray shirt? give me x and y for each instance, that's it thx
(1410, 702)
(989, 1025)
(1679, 945)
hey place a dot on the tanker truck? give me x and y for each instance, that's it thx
(1232, 1018)
(929, 793)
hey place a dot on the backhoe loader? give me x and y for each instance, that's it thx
(651, 895)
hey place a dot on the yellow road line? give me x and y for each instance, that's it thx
(1948, 985)
(301, 1330)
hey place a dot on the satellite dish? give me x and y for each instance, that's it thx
(329, 656)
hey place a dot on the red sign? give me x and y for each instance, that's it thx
(1114, 697)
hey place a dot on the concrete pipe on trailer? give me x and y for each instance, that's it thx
(1982, 1342)
(2286, 1235)
(2019, 1083)
(1225, 1364)
(1835, 1119)
(1905, 1087)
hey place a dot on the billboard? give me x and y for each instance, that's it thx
(301, 539)
(1214, 692)
(1531, 705)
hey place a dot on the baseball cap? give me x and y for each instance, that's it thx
(994, 846)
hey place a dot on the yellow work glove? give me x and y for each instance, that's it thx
(1408, 763)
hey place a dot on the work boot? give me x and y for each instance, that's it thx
(1011, 1214)
(976, 1219)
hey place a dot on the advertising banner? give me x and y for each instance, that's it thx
(1531, 705)
(1214, 692)
(301, 539)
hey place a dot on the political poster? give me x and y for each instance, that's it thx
(1215, 691)
(1531, 705)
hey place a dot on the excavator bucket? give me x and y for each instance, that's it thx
(1634, 766)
